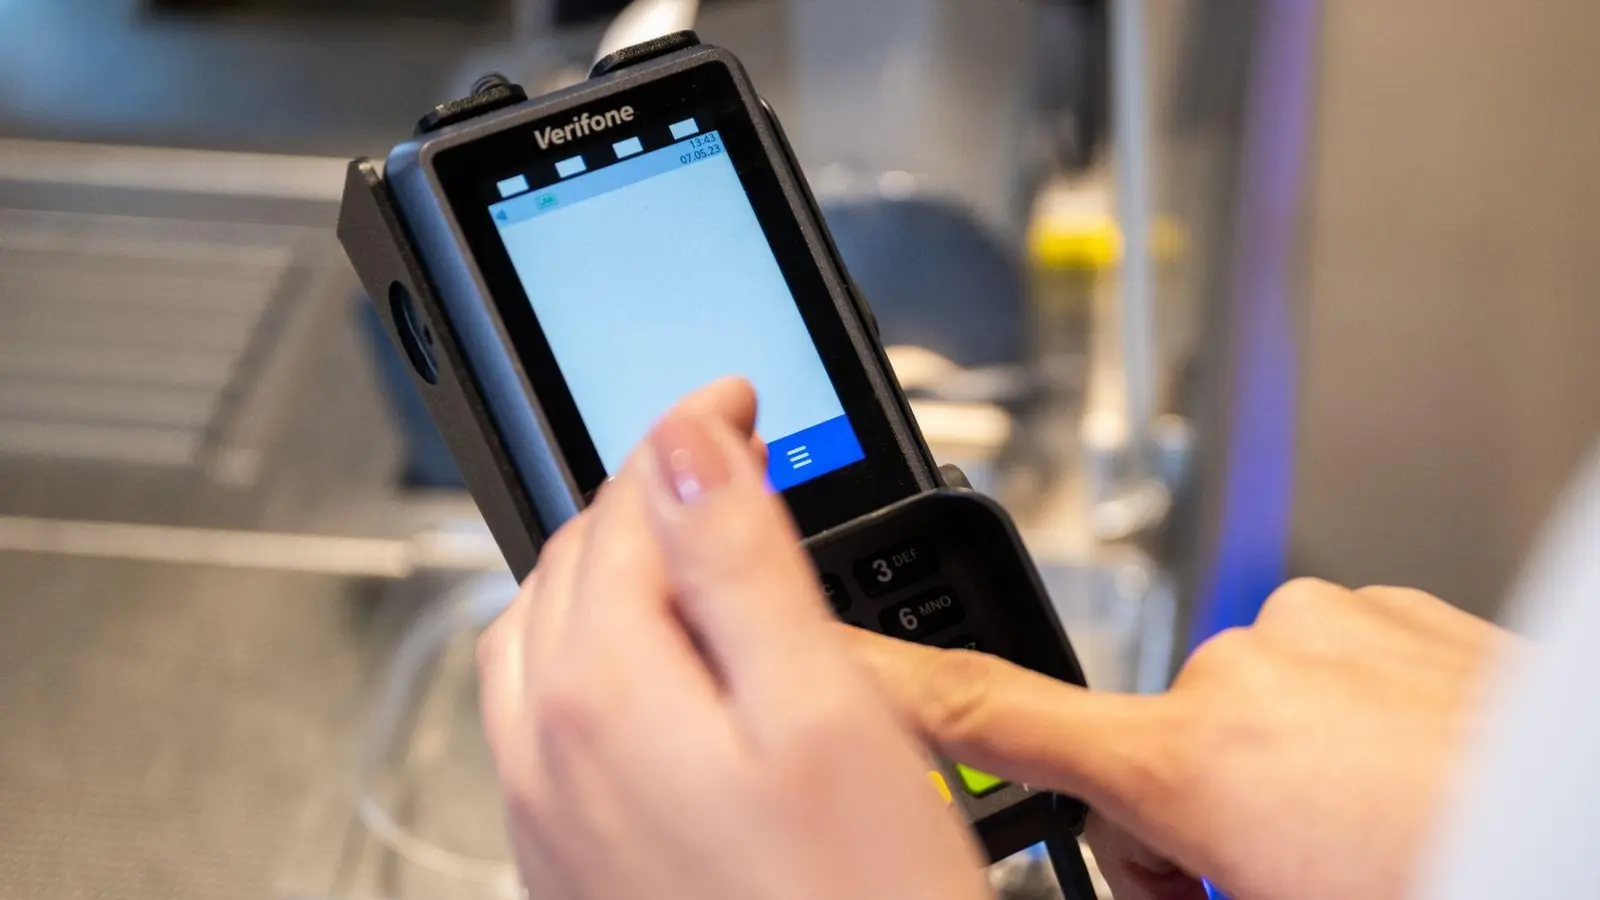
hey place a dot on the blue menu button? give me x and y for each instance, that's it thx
(812, 452)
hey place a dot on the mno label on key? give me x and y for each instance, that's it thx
(923, 614)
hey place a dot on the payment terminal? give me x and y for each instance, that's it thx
(559, 271)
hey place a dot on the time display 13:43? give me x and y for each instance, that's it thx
(701, 147)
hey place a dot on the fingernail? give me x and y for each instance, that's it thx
(689, 457)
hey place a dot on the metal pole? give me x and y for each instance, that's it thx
(1131, 145)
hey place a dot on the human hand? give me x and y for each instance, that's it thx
(1303, 757)
(673, 715)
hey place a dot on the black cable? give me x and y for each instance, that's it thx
(1072, 871)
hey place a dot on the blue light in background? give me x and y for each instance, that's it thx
(1251, 556)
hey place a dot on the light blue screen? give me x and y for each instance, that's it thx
(652, 277)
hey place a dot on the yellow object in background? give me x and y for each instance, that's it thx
(1089, 243)
(1093, 243)
(939, 785)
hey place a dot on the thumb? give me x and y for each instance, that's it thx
(745, 589)
(1111, 750)
(1132, 870)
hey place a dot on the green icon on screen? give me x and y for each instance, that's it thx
(978, 783)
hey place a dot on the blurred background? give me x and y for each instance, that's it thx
(1209, 294)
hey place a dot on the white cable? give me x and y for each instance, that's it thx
(645, 20)
(469, 608)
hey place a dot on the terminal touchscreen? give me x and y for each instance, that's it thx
(650, 276)
(648, 240)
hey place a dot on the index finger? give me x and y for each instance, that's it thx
(743, 584)
(1111, 750)
(625, 594)
(623, 599)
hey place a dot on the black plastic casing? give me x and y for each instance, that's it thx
(981, 560)
(417, 267)
(482, 398)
